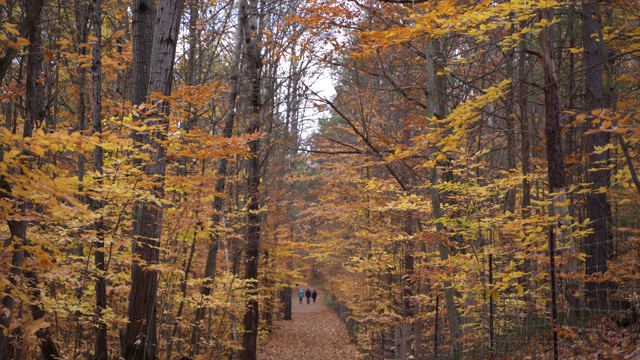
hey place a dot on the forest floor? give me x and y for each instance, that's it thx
(314, 333)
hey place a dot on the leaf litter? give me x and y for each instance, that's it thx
(314, 333)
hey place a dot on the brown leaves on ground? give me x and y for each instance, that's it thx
(315, 332)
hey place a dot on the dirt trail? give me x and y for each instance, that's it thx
(314, 333)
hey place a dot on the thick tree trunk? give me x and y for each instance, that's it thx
(253, 65)
(35, 103)
(143, 22)
(553, 130)
(555, 157)
(598, 244)
(10, 342)
(35, 112)
(140, 338)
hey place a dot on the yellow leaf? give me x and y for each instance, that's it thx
(11, 29)
(19, 43)
(37, 325)
(491, 294)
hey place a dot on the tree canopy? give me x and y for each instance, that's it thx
(171, 169)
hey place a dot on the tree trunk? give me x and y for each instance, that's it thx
(101, 348)
(82, 18)
(191, 71)
(8, 341)
(35, 111)
(35, 104)
(140, 338)
(436, 93)
(253, 65)
(555, 159)
(525, 133)
(510, 196)
(26, 27)
(598, 244)
(287, 302)
(143, 22)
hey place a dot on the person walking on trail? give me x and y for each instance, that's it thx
(314, 295)
(308, 295)
(300, 295)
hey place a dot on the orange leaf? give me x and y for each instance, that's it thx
(117, 34)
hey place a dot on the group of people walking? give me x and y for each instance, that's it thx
(310, 295)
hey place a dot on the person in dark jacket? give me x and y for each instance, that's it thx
(314, 295)
(308, 295)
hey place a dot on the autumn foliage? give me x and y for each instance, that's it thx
(462, 141)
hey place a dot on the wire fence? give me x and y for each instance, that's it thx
(511, 310)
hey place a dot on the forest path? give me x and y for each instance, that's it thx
(314, 333)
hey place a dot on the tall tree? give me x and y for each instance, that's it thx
(101, 347)
(437, 105)
(140, 337)
(18, 226)
(142, 26)
(555, 157)
(252, 64)
(598, 244)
